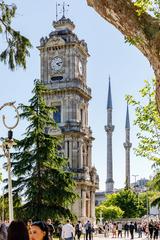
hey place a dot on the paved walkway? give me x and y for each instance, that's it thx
(101, 237)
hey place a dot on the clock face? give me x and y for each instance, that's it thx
(56, 64)
(80, 67)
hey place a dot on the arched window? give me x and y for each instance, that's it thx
(57, 114)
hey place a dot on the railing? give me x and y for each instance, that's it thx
(70, 84)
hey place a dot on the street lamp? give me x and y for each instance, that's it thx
(6, 146)
(135, 177)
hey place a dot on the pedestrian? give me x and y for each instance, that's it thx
(126, 230)
(39, 231)
(106, 230)
(119, 227)
(50, 229)
(88, 229)
(78, 230)
(17, 230)
(156, 228)
(114, 228)
(151, 228)
(131, 229)
(139, 230)
(67, 231)
(3, 231)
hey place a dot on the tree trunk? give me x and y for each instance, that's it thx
(143, 31)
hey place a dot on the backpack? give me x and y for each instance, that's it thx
(77, 227)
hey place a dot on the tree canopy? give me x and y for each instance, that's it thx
(131, 204)
(148, 122)
(17, 46)
(139, 22)
(109, 213)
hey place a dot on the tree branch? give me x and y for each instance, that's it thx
(141, 30)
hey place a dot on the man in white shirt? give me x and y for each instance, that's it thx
(67, 231)
(119, 226)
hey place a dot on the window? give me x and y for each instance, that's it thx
(57, 114)
(81, 115)
(67, 149)
(57, 78)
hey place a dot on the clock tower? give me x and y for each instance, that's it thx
(63, 70)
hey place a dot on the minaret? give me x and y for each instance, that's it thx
(127, 146)
(109, 129)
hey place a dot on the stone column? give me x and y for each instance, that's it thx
(83, 203)
(92, 205)
(80, 153)
(89, 154)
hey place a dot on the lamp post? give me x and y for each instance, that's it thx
(6, 146)
(135, 177)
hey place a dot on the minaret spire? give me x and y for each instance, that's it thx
(127, 145)
(109, 129)
(127, 126)
(109, 102)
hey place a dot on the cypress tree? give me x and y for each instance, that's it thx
(40, 170)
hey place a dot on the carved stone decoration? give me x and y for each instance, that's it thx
(55, 41)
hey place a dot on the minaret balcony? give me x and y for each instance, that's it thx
(127, 145)
(109, 128)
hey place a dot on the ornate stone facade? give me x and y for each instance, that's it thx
(63, 70)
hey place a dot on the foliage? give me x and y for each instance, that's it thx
(42, 179)
(152, 6)
(128, 201)
(148, 121)
(109, 213)
(17, 46)
(4, 206)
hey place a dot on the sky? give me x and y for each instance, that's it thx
(109, 55)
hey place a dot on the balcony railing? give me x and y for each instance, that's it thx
(74, 84)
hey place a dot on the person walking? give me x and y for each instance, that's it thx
(139, 229)
(126, 230)
(88, 228)
(106, 230)
(151, 228)
(119, 227)
(78, 230)
(131, 229)
(67, 231)
(50, 228)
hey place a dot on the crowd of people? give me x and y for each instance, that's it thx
(40, 230)
(19, 230)
(150, 229)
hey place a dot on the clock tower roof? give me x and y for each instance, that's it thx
(63, 24)
(63, 35)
